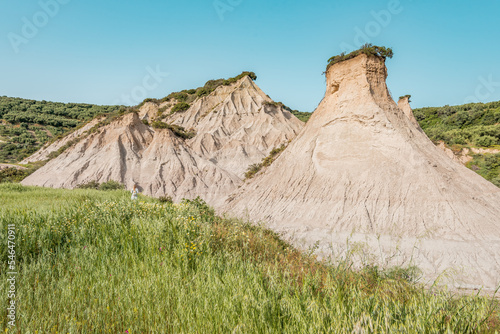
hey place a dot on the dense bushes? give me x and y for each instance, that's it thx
(367, 49)
(148, 100)
(111, 185)
(230, 81)
(486, 141)
(21, 140)
(276, 105)
(202, 92)
(488, 166)
(17, 110)
(180, 107)
(474, 124)
(13, 175)
(469, 124)
(302, 115)
(482, 136)
(165, 199)
(179, 96)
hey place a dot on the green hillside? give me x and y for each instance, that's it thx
(469, 125)
(25, 125)
(474, 125)
(96, 262)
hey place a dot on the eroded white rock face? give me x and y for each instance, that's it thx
(237, 126)
(361, 173)
(234, 129)
(404, 105)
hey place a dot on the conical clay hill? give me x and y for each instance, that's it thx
(362, 176)
(233, 127)
(237, 126)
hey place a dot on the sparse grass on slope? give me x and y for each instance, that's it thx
(303, 116)
(95, 262)
(266, 162)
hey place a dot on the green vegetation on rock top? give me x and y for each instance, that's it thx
(406, 96)
(190, 95)
(367, 49)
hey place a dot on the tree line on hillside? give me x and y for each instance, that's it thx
(469, 125)
(17, 110)
(26, 125)
(475, 124)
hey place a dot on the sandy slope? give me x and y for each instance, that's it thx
(362, 178)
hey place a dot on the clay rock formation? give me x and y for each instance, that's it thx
(132, 153)
(235, 127)
(361, 175)
(404, 105)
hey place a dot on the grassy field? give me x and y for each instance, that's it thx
(95, 262)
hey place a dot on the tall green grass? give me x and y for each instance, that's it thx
(96, 262)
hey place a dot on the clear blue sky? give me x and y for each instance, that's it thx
(97, 51)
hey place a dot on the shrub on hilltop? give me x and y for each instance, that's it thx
(408, 96)
(367, 49)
